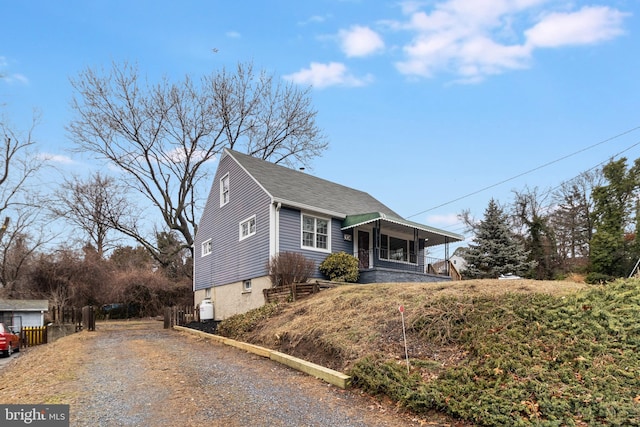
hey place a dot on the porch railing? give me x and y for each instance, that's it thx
(431, 265)
(387, 255)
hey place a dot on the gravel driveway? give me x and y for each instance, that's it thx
(143, 375)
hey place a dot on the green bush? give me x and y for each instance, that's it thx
(528, 359)
(340, 267)
(598, 278)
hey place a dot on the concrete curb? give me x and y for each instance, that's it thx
(329, 375)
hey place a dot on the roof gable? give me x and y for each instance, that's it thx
(299, 189)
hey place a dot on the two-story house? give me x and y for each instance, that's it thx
(257, 209)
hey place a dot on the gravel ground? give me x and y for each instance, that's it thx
(142, 375)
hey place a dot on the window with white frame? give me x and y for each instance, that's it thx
(248, 227)
(246, 286)
(206, 247)
(315, 233)
(397, 249)
(224, 190)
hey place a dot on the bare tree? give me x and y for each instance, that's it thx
(21, 232)
(17, 167)
(96, 205)
(163, 135)
(24, 235)
(531, 215)
(573, 216)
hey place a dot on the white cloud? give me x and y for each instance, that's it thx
(233, 34)
(443, 220)
(315, 19)
(56, 158)
(587, 26)
(360, 41)
(324, 75)
(479, 38)
(178, 155)
(11, 78)
(20, 78)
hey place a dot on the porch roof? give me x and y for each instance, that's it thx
(433, 236)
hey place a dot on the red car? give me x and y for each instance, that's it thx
(9, 342)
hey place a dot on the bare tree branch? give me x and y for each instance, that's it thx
(94, 205)
(163, 135)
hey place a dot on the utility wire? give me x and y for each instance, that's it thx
(527, 172)
(551, 190)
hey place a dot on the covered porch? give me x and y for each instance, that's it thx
(391, 249)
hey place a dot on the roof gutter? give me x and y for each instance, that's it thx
(302, 206)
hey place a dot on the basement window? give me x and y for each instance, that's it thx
(246, 286)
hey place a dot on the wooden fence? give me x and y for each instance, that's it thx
(64, 314)
(33, 335)
(180, 316)
(82, 318)
(287, 293)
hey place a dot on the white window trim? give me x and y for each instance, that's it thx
(248, 220)
(407, 249)
(222, 192)
(206, 248)
(246, 289)
(314, 248)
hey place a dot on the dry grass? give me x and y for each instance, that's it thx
(45, 374)
(341, 325)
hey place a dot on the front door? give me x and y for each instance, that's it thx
(363, 249)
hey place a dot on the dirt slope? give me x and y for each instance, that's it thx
(338, 326)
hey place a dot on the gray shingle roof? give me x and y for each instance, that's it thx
(24, 305)
(297, 188)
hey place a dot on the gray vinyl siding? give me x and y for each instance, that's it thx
(291, 237)
(232, 260)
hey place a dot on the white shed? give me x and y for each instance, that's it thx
(23, 312)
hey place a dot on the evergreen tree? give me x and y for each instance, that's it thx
(611, 252)
(495, 249)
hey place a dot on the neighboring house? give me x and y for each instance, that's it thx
(458, 262)
(453, 267)
(257, 209)
(23, 312)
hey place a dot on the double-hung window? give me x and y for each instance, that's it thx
(224, 190)
(206, 247)
(315, 233)
(248, 227)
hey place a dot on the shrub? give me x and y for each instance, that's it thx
(340, 267)
(288, 268)
(598, 279)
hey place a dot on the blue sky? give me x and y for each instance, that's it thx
(423, 102)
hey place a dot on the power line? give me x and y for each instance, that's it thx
(551, 190)
(528, 172)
